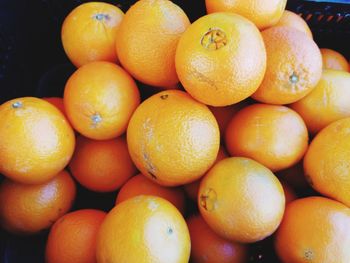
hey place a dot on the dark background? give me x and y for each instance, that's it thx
(33, 63)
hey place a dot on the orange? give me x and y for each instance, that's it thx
(37, 142)
(221, 59)
(147, 40)
(334, 60)
(89, 33)
(72, 239)
(294, 66)
(223, 115)
(293, 20)
(57, 102)
(273, 135)
(193, 188)
(328, 102)
(144, 229)
(314, 229)
(263, 13)
(207, 246)
(294, 176)
(28, 209)
(327, 161)
(172, 138)
(241, 200)
(99, 99)
(288, 192)
(102, 166)
(140, 185)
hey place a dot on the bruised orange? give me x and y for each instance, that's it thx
(147, 40)
(241, 200)
(72, 239)
(89, 33)
(172, 138)
(99, 99)
(144, 229)
(263, 13)
(37, 141)
(29, 209)
(207, 246)
(102, 166)
(221, 59)
(140, 185)
(314, 229)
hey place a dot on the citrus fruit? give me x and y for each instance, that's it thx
(327, 161)
(273, 135)
(221, 59)
(264, 13)
(294, 66)
(57, 102)
(147, 40)
(328, 102)
(37, 142)
(207, 246)
(28, 209)
(102, 166)
(89, 33)
(99, 99)
(241, 200)
(334, 60)
(293, 20)
(144, 229)
(314, 229)
(140, 185)
(72, 239)
(192, 189)
(172, 138)
(288, 192)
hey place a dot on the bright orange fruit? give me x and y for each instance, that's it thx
(144, 229)
(37, 141)
(29, 209)
(334, 60)
(89, 33)
(221, 59)
(147, 40)
(293, 20)
(241, 200)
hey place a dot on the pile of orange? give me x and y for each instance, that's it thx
(199, 170)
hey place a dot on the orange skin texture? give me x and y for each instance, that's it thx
(207, 246)
(72, 239)
(89, 33)
(328, 102)
(141, 185)
(334, 60)
(144, 229)
(294, 66)
(102, 166)
(29, 209)
(227, 70)
(57, 102)
(294, 176)
(193, 188)
(314, 229)
(291, 19)
(241, 200)
(37, 141)
(147, 41)
(223, 115)
(263, 13)
(172, 138)
(327, 161)
(103, 90)
(273, 135)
